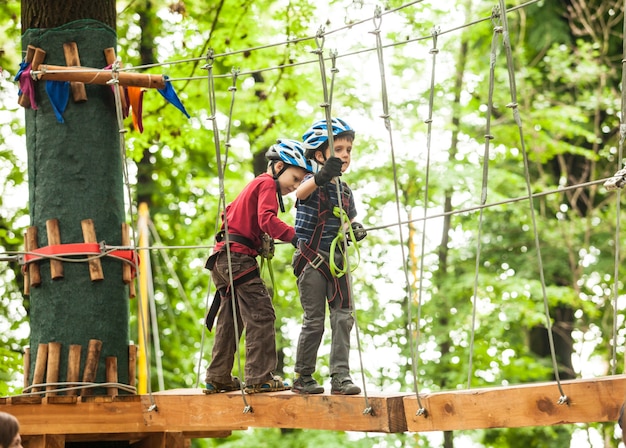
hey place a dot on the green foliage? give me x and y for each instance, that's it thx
(309, 439)
(13, 211)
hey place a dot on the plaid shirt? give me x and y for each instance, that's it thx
(308, 212)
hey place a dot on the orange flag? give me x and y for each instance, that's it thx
(135, 97)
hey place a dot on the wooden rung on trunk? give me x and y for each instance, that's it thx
(40, 365)
(54, 238)
(34, 56)
(24, 100)
(109, 56)
(52, 367)
(132, 364)
(91, 364)
(89, 236)
(34, 274)
(70, 50)
(26, 367)
(73, 367)
(127, 273)
(111, 375)
(25, 270)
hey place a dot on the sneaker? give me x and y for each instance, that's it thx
(306, 384)
(213, 387)
(276, 384)
(343, 386)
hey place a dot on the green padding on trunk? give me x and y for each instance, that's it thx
(75, 173)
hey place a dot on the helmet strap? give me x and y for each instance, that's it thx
(276, 176)
(280, 196)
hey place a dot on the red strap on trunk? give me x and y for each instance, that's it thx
(62, 250)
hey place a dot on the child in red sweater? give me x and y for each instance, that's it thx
(251, 215)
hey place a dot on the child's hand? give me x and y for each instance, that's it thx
(332, 168)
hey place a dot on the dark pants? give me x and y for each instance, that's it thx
(255, 314)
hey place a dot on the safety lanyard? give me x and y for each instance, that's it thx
(267, 253)
(344, 222)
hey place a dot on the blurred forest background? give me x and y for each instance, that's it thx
(453, 301)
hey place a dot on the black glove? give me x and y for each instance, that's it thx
(294, 241)
(358, 230)
(332, 168)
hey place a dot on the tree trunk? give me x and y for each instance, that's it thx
(44, 14)
(148, 21)
(75, 174)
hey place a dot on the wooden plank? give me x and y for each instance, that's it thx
(589, 401)
(285, 410)
(189, 413)
(162, 440)
(129, 437)
(196, 415)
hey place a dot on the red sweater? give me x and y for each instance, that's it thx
(253, 213)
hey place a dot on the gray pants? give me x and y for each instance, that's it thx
(255, 313)
(314, 290)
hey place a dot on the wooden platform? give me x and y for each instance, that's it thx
(592, 400)
(167, 419)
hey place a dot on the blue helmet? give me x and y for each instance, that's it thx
(289, 151)
(317, 134)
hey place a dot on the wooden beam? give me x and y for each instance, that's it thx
(44, 441)
(286, 410)
(196, 415)
(161, 440)
(181, 414)
(89, 75)
(589, 401)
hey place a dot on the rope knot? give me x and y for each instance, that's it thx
(378, 18)
(209, 58)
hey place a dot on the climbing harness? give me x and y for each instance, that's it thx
(310, 254)
(222, 293)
